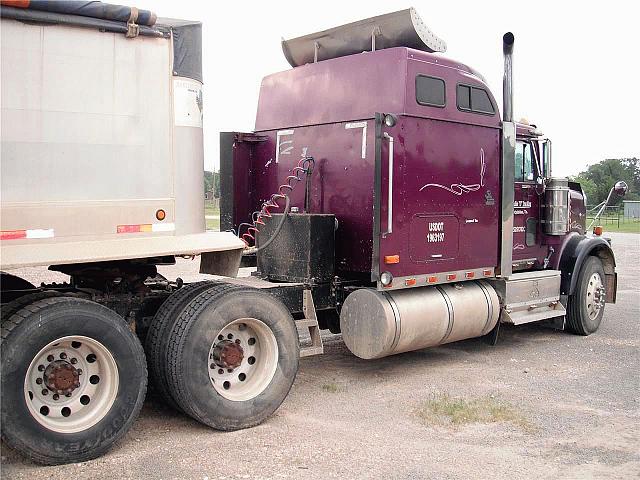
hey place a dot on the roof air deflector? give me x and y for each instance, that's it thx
(404, 28)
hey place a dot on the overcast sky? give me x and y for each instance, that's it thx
(576, 64)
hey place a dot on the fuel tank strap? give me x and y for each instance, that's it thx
(484, 287)
(451, 318)
(396, 316)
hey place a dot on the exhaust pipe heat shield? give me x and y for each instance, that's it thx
(404, 28)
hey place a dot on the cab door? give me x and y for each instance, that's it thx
(527, 249)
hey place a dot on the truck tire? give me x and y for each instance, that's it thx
(158, 336)
(585, 308)
(233, 357)
(73, 381)
(10, 286)
(20, 302)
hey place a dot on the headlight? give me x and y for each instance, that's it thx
(386, 278)
(390, 120)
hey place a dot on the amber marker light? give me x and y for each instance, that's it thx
(486, 272)
(161, 214)
(469, 275)
(391, 259)
(432, 279)
(451, 276)
(409, 282)
(598, 230)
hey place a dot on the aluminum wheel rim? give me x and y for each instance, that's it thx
(257, 366)
(595, 297)
(90, 400)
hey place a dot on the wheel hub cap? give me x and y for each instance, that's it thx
(71, 384)
(596, 296)
(243, 359)
(228, 354)
(61, 377)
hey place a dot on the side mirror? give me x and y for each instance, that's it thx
(620, 188)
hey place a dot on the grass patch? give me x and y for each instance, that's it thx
(628, 227)
(213, 224)
(447, 411)
(331, 387)
(611, 225)
(211, 210)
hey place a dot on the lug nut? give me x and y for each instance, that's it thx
(45, 391)
(63, 355)
(74, 361)
(39, 381)
(56, 396)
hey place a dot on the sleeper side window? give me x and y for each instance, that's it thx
(480, 101)
(474, 99)
(430, 91)
(464, 97)
(524, 171)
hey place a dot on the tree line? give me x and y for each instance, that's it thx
(598, 179)
(212, 183)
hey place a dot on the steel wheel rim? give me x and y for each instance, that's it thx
(253, 369)
(595, 296)
(89, 402)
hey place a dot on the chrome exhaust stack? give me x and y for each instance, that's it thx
(507, 80)
(508, 158)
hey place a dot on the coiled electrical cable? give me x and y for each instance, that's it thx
(305, 166)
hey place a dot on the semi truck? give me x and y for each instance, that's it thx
(381, 196)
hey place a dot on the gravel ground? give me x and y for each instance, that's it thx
(578, 397)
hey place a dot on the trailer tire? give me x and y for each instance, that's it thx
(21, 302)
(78, 341)
(585, 308)
(263, 327)
(158, 337)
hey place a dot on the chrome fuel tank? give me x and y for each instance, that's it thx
(377, 324)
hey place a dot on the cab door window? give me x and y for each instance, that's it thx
(525, 171)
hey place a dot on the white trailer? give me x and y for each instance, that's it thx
(102, 179)
(102, 151)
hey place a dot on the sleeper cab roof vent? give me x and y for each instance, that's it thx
(404, 28)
